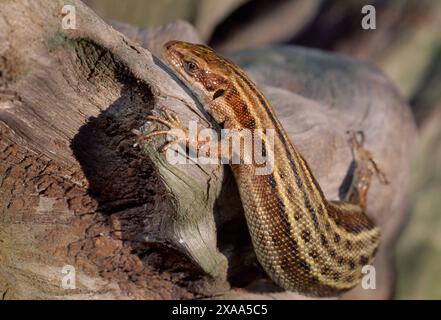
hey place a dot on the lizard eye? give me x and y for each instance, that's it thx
(190, 67)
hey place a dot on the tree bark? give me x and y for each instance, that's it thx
(75, 190)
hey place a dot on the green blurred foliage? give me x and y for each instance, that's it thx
(419, 248)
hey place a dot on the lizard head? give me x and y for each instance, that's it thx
(199, 67)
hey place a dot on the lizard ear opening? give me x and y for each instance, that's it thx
(218, 93)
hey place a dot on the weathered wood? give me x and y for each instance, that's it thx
(75, 191)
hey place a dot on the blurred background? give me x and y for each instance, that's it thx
(406, 45)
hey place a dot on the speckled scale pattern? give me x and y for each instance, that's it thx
(304, 242)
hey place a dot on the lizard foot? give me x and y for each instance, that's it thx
(365, 168)
(175, 132)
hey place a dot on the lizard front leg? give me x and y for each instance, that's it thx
(178, 133)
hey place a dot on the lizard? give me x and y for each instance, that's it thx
(304, 242)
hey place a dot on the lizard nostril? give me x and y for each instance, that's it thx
(169, 44)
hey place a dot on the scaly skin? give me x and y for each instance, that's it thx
(304, 242)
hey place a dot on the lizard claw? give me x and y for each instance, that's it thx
(168, 120)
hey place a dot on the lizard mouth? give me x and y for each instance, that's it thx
(174, 57)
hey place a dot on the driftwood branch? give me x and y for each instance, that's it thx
(76, 191)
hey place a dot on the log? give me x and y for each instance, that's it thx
(77, 191)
